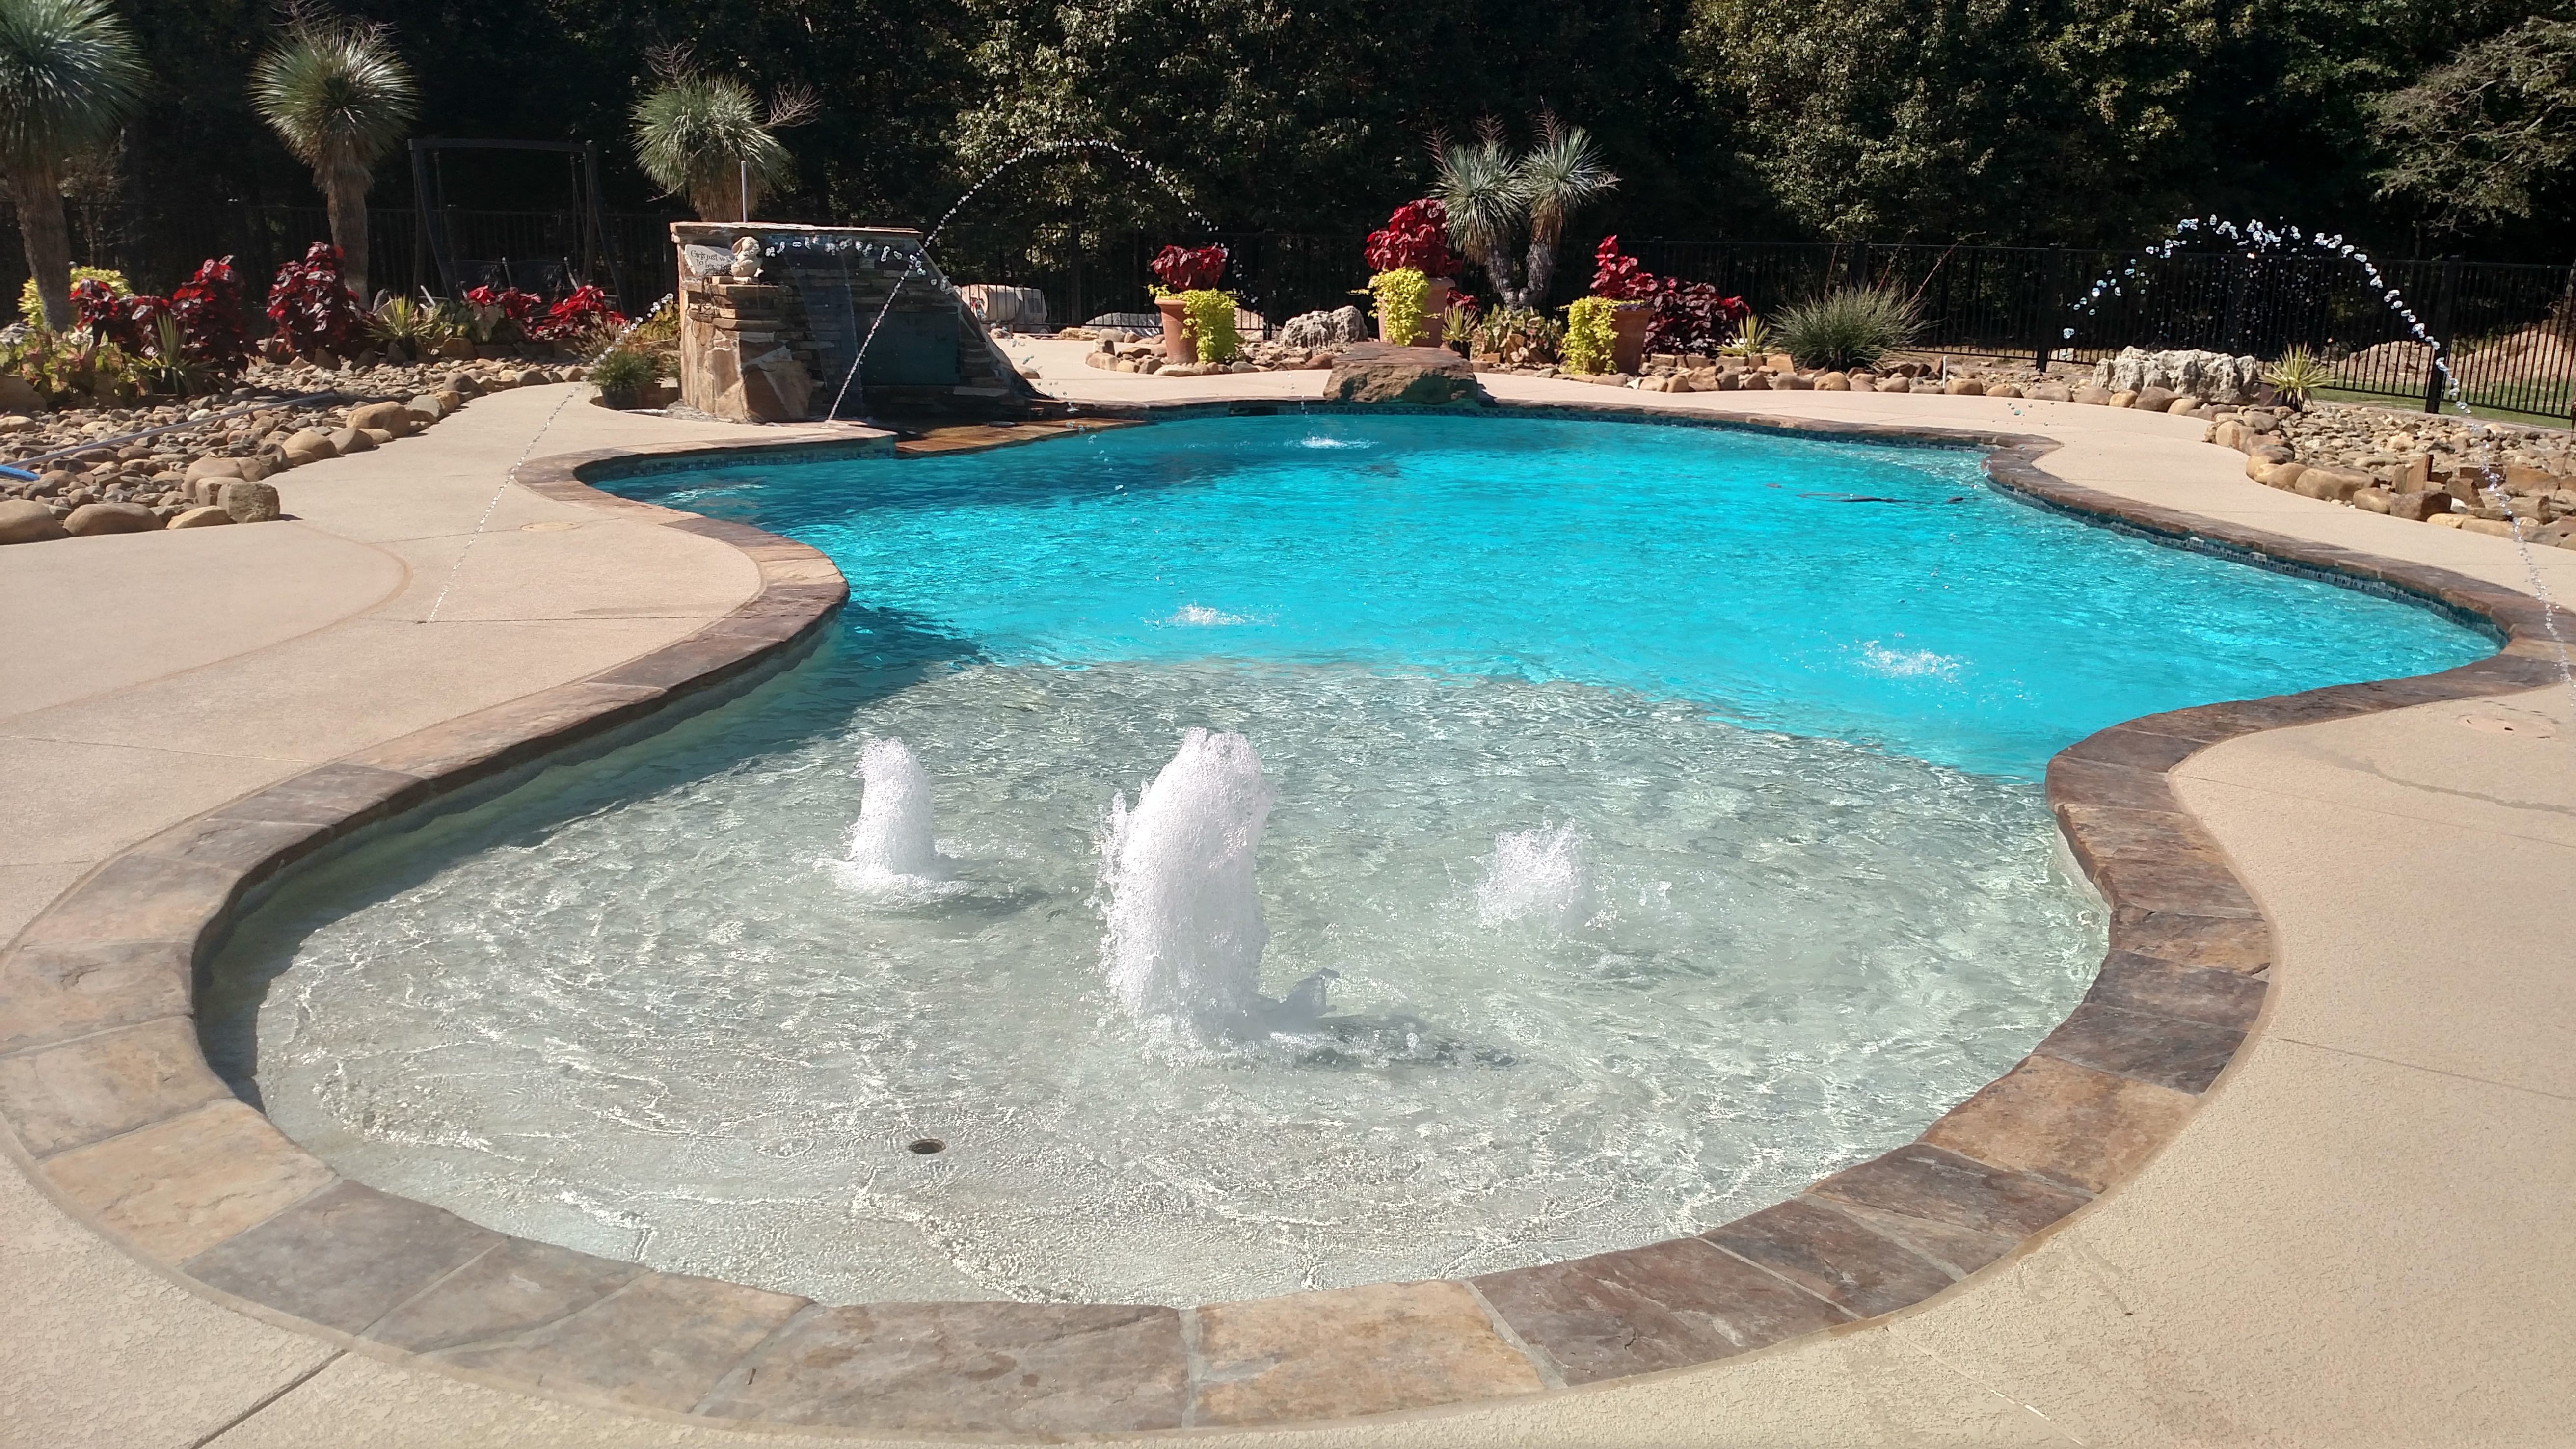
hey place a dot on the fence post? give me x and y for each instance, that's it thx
(2052, 276)
(1859, 275)
(2445, 300)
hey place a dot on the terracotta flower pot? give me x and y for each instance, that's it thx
(1628, 334)
(1435, 301)
(1177, 346)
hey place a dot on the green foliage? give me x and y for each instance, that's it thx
(2297, 374)
(1518, 337)
(414, 323)
(1849, 327)
(73, 365)
(69, 76)
(2478, 136)
(1208, 317)
(708, 138)
(1590, 335)
(31, 308)
(1401, 295)
(1752, 338)
(167, 368)
(625, 370)
(336, 93)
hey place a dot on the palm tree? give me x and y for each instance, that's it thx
(1487, 201)
(1561, 173)
(340, 97)
(69, 75)
(706, 138)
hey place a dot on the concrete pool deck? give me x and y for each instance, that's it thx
(2354, 1240)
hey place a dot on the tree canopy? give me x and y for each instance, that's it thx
(2403, 122)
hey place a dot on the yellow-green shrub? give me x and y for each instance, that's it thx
(32, 307)
(1400, 294)
(1208, 317)
(1589, 333)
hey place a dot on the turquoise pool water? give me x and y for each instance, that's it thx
(1663, 799)
(1877, 594)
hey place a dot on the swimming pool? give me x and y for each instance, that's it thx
(1663, 798)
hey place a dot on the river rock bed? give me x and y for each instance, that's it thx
(257, 428)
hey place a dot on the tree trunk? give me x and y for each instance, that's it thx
(1542, 261)
(38, 193)
(718, 193)
(344, 193)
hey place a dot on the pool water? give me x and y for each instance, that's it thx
(1663, 799)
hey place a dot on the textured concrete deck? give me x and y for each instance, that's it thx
(2355, 1242)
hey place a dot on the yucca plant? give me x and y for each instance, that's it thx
(2298, 373)
(340, 97)
(1849, 327)
(167, 366)
(1492, 197)
(1562, 172)
(1487, 201)
(1752, 339)
(709, 139)
(70, 74)
(415, 324)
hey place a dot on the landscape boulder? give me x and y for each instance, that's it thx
(345, 441)
(91, 520)
(2416, 507)
(2334, 485)
(387, 417)
(2209, 376)
(203, 516)
(250, 502)
(311, 445)
(1338, 328)
(1419, 376)
(427, 408)
(24, 520)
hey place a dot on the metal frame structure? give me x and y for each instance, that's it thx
(429, 191)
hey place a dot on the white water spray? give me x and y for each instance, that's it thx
(1185, 928)
(2261, 238)
(1536, 873)
(893, 852)
(921, 258)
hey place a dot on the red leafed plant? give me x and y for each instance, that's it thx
(125, 321)
(310, 303)
(507, 305)
(1617, 276)
(214, 322)
(1189, 269)
(1416, 236)
(585, 311)
(1689, 316)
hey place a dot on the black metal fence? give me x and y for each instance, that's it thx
(2512, 328)
(157, 247)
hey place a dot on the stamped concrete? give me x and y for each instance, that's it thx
(1879, 1384)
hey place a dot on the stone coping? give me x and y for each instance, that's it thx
(111, 1105)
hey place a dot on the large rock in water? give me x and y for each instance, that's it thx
(1311, 330)
(1421, 376)
(2208, 376)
